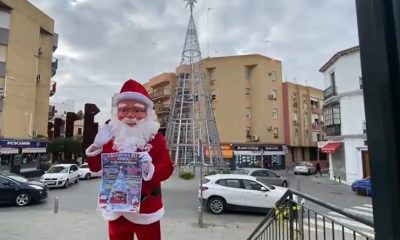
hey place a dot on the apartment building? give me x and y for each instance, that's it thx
(161, 88)
(27, 43)
(344, 116)
(303, 118)
(246, 94)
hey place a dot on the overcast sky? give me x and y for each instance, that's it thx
(102, 43)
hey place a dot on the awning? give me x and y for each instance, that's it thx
(33, 150)
(331, 147)
(8, 150)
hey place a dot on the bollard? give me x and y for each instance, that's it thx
(200, 210)
(56, 200)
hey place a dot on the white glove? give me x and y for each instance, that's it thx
(104, 135)
(147, 165)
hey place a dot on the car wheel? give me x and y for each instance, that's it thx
(309, 172)
(284, 184)
(23, 199)
(87, 176)
(216, 205)
(66, 184)
(295, 173)
(77, 180)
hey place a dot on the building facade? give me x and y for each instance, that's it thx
(344, 117)
(303, 118)
(27, 42)
(160, 88)
(246, 96)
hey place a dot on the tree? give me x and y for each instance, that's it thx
(61, 145)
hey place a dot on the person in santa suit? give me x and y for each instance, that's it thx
(134, 128)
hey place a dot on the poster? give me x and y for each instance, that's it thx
(121, 182)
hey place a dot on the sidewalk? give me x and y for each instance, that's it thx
(90, 225)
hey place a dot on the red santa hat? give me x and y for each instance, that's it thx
(133, 90)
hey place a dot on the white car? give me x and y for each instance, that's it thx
(61, 175)
(304, 168)
(223, 192)
(85, 173)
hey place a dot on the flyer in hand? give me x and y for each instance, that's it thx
(121, 183)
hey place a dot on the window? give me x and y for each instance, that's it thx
(79, 131)
(273, 95)
(251, 185)
(247, 92)
(248, 132)
(233, 183)
(211, 75)
(332, 115)
(275, 113)
(333, 81)
(360, 81)
(213, 95)
(260, 173)
(295, 100)
(247, 72)
(248, 112)
(296, 133)
(272, 75)
(276, 133)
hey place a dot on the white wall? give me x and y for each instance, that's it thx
(352, 114)
(353, 159)
(347, 72)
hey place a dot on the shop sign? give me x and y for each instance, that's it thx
(22, 144)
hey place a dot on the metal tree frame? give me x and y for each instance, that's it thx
(191, 118)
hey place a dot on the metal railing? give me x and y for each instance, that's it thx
(290, 220)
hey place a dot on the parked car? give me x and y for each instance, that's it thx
(61, 175)
(85, 173)
(20, 191)
(265, 176)
(304, 168)
(362, 186)
(222, 192)
(197, 164)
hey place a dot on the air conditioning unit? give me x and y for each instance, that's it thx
(271, 97)
(255, 138)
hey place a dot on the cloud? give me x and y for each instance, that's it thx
(102, 44)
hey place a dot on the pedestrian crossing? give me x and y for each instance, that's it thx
(319, 227)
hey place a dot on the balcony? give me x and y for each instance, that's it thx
(54, 66)
(160, 94)
(52, 111)
(317, 126)
(52, 88)
(316, 109)
(161, 109)
(330, 92)
(333, 130)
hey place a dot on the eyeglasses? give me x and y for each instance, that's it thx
(125, 110)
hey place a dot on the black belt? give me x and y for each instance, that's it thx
(154, 193)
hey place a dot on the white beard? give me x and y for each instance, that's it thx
(129, 139)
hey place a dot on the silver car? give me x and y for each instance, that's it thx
(265, 176)
(304, 168)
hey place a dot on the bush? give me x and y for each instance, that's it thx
(186, 175)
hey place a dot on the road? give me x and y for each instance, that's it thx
(78, 219)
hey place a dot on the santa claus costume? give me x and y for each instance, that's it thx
(133, 128)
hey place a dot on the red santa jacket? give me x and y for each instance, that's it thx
(151, 208)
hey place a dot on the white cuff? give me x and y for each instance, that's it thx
(93, 150)
(148, 173)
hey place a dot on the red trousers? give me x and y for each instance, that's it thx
(122, 229)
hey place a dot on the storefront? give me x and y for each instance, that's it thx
(263, 155)
(18, 155)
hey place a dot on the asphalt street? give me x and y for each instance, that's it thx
(78, 218)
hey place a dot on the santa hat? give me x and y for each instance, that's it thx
(133, 90)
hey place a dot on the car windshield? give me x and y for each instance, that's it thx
(57, 169)
(18, 178)
(84, 166)
(241, 171)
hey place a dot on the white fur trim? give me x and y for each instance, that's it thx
(93, 150)
(138, 218)
(133, 96)
(147, 176)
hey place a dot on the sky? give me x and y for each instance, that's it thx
(102, 43)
